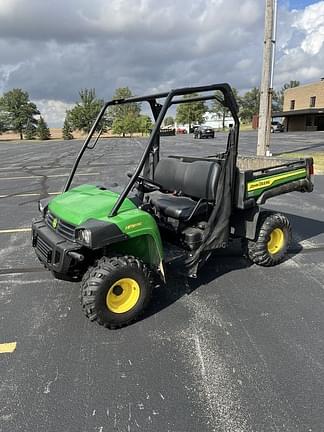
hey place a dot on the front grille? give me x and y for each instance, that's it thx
(61, 227)
(44, 248)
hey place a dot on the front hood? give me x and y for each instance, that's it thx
(86, 202)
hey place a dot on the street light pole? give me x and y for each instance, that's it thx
(266, 90)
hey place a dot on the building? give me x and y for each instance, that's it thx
(303, 107)
(215, 120)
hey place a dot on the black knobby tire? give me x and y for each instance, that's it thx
(258, 251)
(100, 278)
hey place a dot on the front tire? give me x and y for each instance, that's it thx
(116, 291)
(273, 238)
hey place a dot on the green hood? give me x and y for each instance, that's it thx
(86, 202)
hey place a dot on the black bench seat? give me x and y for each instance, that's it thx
(177, 207)
(187, 186)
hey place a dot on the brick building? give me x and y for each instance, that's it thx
(303, 107)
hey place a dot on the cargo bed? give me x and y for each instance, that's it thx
(260, 178)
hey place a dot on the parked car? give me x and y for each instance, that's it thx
(277, 127)
(204, 132)
(181, 130)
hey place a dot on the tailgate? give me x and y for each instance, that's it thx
(256, 186)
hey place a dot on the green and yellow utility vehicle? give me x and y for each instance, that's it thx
(178, 208)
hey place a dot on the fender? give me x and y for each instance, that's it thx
(244, 223)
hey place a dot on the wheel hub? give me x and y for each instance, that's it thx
(123, 295)
(277, 241)
(117, 290)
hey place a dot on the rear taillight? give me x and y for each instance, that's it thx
(311, 169)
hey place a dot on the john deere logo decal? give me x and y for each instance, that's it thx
(54, 223)
(133, 226)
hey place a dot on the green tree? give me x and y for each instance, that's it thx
(169, 121)
(83, 115)
(67, 129)
(250, 103)
(42, 130)
(3, 122)
(128, 124)
(276, 101)
(145, 124)
(18, 112)
(218, 108)
(125, 117)
(192, 112)
(30, 131)
(291, 84)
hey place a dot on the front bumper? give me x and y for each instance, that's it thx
(53, 250)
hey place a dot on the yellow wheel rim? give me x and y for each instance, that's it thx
(277, 241)
(123, 295)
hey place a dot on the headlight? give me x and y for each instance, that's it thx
(84, 236)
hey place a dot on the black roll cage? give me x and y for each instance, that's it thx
(159, 111)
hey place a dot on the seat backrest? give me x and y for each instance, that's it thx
(196, 179)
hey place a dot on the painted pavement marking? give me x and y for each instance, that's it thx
(48, 176)
(7, 347)
(14, 230)
(27, 194)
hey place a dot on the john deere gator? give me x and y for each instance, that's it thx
(178, 208)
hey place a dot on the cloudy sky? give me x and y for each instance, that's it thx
(54, 48)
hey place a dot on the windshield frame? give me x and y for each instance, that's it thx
(159, 111)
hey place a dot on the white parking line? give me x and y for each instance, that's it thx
(14, 230)
(27, 194)
(53, 175)
(16, 168)
(7, 347)
(24, 282)
(19, 168)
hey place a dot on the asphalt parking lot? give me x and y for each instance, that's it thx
(240, 349)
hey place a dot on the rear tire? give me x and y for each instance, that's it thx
(116, 291)
(273, 238)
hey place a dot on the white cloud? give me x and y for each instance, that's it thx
(311, 22)
(5, 72)
(53, 49)
(301, 53)
(53, 111)
(6, 6)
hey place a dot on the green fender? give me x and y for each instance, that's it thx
(144, 240)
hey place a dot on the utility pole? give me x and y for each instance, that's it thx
(266, 90)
